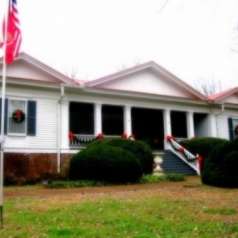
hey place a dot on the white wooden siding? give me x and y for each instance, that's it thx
(46, 121)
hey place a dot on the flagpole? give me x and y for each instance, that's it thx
(4, 77)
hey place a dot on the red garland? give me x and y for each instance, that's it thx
(124, 136)
(169, 138)
(200, 162)
(100, 136)
(72, 136)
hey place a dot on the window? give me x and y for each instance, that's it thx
(179, 124)
(233, 128)
(81, 118)
(112, 120)
(17, 126)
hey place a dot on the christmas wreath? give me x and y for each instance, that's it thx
(18, 116)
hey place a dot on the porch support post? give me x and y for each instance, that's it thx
(97, 118)
(127, 120)
(65, 124)
(167, 124)
(190, 125)
(212, 125)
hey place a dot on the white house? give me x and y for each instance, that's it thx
(145, 101)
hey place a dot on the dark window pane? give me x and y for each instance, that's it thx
(179, 124)
(81, 118)
(112, 120)
(148, 125)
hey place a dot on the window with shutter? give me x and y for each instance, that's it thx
(17, 117)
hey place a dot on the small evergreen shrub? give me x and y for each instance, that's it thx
(73, 184)
(173, 177)
(139, 149)
(221, 167)
(202, 145)
(153, 178)
(102, 162)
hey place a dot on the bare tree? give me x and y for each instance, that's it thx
(164, 4)
(72, 73)
(208, 86)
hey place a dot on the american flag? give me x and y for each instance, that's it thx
(13, 32)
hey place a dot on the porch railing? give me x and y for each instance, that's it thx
(186, 156)
(82, 140)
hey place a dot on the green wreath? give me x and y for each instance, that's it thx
(18, 116)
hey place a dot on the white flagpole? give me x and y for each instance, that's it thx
(4, 71)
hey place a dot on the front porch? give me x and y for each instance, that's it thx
(87, 121)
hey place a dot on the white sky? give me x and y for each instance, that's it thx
(191, 38)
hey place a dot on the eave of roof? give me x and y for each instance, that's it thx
(222, 95)
(45, 68)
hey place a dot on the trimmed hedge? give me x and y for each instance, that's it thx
(221, 167)
(202, 145)
(102, 162)
(139, 149)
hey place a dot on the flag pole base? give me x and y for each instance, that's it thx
(1, 217)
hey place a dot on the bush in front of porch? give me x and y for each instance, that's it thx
(202, 145)
(221, 167)
(102, 162)
(220, 160)
(139, 149)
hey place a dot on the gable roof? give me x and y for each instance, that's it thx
(60, 78)
(138, 68)
(223, 95)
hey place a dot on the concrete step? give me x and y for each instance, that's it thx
(166, 161)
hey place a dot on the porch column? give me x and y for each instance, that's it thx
(65, 125)
(167, 124)
(190, 125)
(127, 120)
(212, 125)
(97, 118)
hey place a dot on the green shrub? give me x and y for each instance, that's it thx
(221, 167)
(141, 151)
(73, 184)
(153, 178)
(103, 162)
(202, 145)
(174, 177)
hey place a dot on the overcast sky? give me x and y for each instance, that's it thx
(194, 39)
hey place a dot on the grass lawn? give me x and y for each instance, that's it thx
(166, 209)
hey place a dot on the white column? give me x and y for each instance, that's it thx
(167, 124)
(127, 120)
(97, 118)
(65, 125)
(190, 125)
(212, 125)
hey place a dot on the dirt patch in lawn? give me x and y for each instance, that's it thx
(188, 190)
(207, 202)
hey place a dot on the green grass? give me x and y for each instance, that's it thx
(111, 218)
(152, 213)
